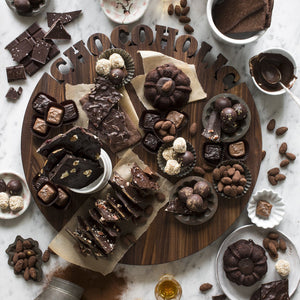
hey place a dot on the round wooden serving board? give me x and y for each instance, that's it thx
(166, 239)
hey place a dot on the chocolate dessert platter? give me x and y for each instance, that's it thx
(141, 145)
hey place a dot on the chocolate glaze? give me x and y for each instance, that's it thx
(281, 62)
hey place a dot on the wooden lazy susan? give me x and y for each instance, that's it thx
(166, 239)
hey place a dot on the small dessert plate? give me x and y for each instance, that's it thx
(124, 12)
(8, 214)
(277, 212)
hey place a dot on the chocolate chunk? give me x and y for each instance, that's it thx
(40, 51)
(77, 140)
(12, 94)
(47, 193)
(57, 31)
(151, 142)
(65, 18)
(71, 111)
(40, 126)
(75, 172)
(54, 114)
(237, 149)
(15, 73)
(41, 102)
(213, 128)
(213, 153)
(108, 214)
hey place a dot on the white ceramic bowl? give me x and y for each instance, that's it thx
(116, 13)
(100, 182)
(245, 39)
(287, 55)
(277, 212)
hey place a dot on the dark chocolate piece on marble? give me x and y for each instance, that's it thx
(71, 111)
(77, 140)
(108, 214)
(41, 102)
(15, 73)
(213, 128)
(21, 50)
(65, 18)
(57, 31)
(119, 207)
(40, 51)
(12, 94)
(75, 172)
(52, 160)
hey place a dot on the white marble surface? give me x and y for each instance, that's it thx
(198, 268)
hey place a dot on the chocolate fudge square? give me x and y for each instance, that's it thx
(47, 193)
(263, 209)
(75, 172)
(212, 153)
(40, 126)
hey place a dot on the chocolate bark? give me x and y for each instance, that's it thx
(65, 18)
(213, 129)
(119, 207)
(57, 32)
(108, 214)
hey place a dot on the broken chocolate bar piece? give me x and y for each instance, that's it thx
(41, 102)
(12, 94)
(118, 206)
(15, 73)
(213, 128)
(108, 214)
(21, 50)
(57, 32)
(75, 172)
(52, 160)
(40, 51)
(65, 18)
(76, 140)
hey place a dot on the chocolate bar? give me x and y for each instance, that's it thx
(21, 48)
(76, 140)
(40, 51)
(108, 214)
(75, 172)
(65, 18)
(15, 73)
(213, 128)
(57, 32)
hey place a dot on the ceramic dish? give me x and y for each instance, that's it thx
(33, 13)
(290, 57)
(124, 12)
(244, 125)
(236, 292)
(244, 38)
(7, 214)
(277, 212)
(101, 182)
(212, 202)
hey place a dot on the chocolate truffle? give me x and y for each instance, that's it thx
(22, 6)
(237, 149)
(4, 200)
(228, 115)
(184, 193)
(14, 187)
(222, 103)
(2, 186)
(195, 203)
(186, 158)
(117, 61)
(179, 145)
(40, 126)
(263, 209)
(202, 188)
(172, 167)
(212, 152)
(55, 115)
(169, 153)
(116, 76)
(229, 128)
(103, 66)
(16, 203)
(47, 193)
(241, 111)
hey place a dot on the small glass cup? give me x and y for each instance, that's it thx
(168, 288)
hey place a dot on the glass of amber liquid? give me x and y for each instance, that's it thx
(168, 288)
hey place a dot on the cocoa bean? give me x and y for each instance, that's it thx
(281, 130)
(272, 180)
(188, 28)
(199, 171)
(184, 19)
(290, 156)
(273, 171)
(193, 129)
(205, 287)
(284, 163)
(271, 125)
(171, 9)
(46, 256)
(283, 148)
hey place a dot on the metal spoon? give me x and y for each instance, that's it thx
(272, 75)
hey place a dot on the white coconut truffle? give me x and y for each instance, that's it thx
(169, 153)
(117, 61)
(103, 66)
(4, 199)
(172, 167)
(282, 267)
(179, 145)
(16, 203)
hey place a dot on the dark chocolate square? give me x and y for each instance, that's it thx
(213, 152)
(15, 73)
(40, 51)
(21, 50)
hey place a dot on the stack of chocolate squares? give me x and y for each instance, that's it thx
(243, 16)
(98, 234)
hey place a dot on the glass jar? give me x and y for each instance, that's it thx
(168, 288)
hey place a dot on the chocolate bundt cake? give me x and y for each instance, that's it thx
(244, 262)
(167, 87)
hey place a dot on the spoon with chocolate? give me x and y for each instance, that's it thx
(272, 75)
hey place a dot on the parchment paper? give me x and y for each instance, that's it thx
(64, 245)
(151, 60)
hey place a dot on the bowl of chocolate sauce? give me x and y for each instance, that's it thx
(282, 60)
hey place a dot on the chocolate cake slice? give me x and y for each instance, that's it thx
(77, 140)
(272, 290)
(75, 172)
(108, 214)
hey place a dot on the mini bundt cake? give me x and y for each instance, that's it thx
(167, 87)
(245, 263)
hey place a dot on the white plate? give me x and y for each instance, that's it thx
(237, 292)
(7, 176)
(115, 12)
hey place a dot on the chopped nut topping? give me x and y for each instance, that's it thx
(64, 175)
(74, 138)
(97, 156)
(87, 173)
(76, 163)
(73, 170)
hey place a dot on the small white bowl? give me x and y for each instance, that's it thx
(277, 212)
(116, 13)
(100, 182)
(287, 55)
(224, 38)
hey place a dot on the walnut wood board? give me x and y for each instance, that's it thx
(166, 239)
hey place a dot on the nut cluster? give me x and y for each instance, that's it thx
(230, 180)
(272, 243)
(166, 130)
